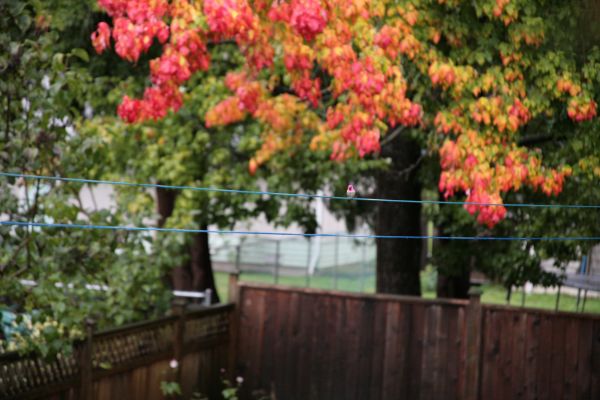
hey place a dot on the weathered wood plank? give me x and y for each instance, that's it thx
(518, 333)
(365, 349)
(503, 390)
(252, 328)
(139, 382)
(412, 377)
(557, 358)
(280, 344)
(268, 340)
(544, 372)
(320, 338)
(584, 359)
(431, 374)
(595, 367)
(394, 357)
(293, 365)
(338, 351)
(532, 351)
(571, 368)
(462, 352)
(378, 351)
(327, 340)
(491, 348)
(351, 338)
(452, 359)
(303, 346)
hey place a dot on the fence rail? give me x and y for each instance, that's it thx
(129, 362)
(315, 344)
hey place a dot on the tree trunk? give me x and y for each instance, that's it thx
(196, 274)
(165, 204)
(399, 260)
(200, 266)
(455, 262)
(455, 286)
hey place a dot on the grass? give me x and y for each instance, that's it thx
(492, 294)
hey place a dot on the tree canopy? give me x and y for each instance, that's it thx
(46, 88)
(477, 78)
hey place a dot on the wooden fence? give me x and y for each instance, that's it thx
(129, 362)
(313, 344)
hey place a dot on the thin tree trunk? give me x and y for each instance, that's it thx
(196, 274)
(399, 260)
(201, 264)
(165, 204)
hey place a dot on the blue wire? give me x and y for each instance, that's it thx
(343, 235)
(303, 195)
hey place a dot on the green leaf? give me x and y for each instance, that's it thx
(58, 61)
(24, 21)
(81, 53)
(105, 365)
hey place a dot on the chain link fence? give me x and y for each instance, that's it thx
(321, 262)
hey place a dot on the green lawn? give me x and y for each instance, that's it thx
(492, 294)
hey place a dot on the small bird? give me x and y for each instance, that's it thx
(350, 192)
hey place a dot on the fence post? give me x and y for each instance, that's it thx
(307, 278)
(234, 318)
(207, 299)
(85, 362)
(178, 307)
(277, 253)
(233, 291)
(363, 266)
(473, 345)
(335, 262)
(238, 251)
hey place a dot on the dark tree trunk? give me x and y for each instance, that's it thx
(165, 204)
(196, 274)
(454, 265)
(201, 264)
(455, 286)
(399, 260)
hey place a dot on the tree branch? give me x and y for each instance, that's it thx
(411, 167)
(77, 195)
(12, 260)
(388, 139)
(536, 139)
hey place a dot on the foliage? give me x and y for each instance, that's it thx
(476, 76)
(180, 149)
(562, 142)
(170, 388)
(230, 390)
(46, 87)
(47, 337)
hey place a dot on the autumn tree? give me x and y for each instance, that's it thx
(569, 33)
(469, 81)
(179, 150)
(46, 87)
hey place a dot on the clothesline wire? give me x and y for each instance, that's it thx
(283, 194)
(306, 235)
